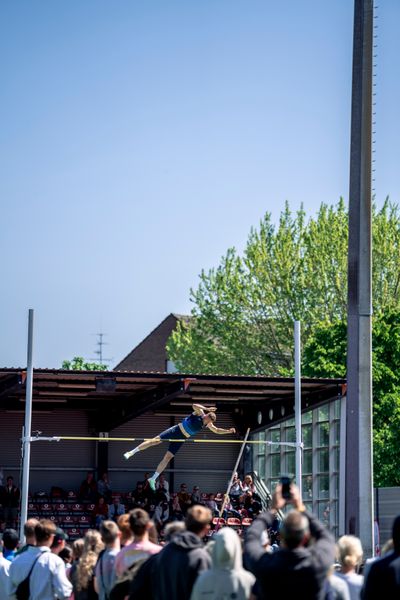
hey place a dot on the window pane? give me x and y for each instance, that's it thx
(275, 436)
(323, 460)
(306, 417)
(323, 512)
(275, 465)
(323, 413)
(307, 488)
(290, 434)
(262, 435)
(323, 486)
(323, 434)
(336, 459)
(261, 467)
(290, 464)
(290, 422)
(335, 486)
(272, 484)
(307, 436)
(336, 432)
(336, 409)
(307, 461)
(308, 506)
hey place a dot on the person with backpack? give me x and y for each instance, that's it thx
(37, 573)
(105, 568)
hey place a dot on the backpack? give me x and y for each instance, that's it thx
(23, 590)
(122, 585)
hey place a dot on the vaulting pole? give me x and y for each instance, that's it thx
(235, 468)
(26, 442)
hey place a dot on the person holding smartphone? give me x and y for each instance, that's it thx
(298, 568)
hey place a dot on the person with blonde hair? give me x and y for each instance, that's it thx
(82, 572)
(350, 554)
(190, 426)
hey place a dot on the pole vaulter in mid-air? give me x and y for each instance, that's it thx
(200, 418)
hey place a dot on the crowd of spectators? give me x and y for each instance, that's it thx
(195, 557)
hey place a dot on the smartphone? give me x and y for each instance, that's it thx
(286, 483)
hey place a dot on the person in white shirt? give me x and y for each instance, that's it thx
(47, 579)
(4, 573)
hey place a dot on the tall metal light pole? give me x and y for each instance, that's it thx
(358, 492)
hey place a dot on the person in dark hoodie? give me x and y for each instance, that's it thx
(226, 578)
(180, 563)
(297, 568)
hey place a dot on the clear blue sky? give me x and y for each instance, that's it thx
(139, 140)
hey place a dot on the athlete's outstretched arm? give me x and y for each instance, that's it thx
(220, 430)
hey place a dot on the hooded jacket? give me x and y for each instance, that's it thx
(178, 565)
(226, 579)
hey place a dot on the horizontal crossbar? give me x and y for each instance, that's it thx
(60, 438)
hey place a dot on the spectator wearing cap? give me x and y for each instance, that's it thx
(10, 543)
(29, 533)
(60, 539)
(47, 572)
(298, 567)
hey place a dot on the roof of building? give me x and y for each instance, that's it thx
(115, 397)
(150, 353)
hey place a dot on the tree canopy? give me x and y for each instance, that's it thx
(243, 310)
(79, 364)
(325, 356)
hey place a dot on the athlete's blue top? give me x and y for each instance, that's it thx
(193, 424)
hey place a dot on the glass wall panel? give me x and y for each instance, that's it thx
(323, 460)
(323, 486)
(323, 434)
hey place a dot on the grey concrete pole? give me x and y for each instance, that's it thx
(358, 486)
(297, 404)
(26, 444)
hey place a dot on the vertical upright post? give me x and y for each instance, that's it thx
(358, 489)
(26, 444)
(297, 404)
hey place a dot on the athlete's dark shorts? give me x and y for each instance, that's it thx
(173, 433)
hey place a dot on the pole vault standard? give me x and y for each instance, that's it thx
(297, 405)
(26, 452)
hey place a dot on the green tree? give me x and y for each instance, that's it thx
(243, 310)
(325, 356)
(79, 364)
